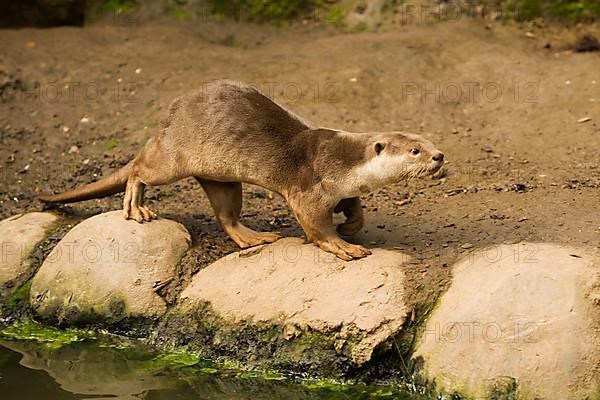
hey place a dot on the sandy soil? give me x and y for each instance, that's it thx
(520, 165)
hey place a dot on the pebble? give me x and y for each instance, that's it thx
(466, 246)
(73, 149)
(584, 119)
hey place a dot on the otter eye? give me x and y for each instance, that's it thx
(415, 151)
(379, 147)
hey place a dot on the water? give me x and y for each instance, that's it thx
(30, 370)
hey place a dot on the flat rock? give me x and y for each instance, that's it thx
(19, 235)
(107, 269)
(518, 318)
(298, 288)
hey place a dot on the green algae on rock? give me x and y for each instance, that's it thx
(52, 338)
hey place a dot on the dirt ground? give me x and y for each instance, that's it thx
(509, 113)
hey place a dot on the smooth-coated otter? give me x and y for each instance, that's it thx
(229, 133)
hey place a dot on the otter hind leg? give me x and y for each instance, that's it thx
(353, 212)
(316, 221)
(133, 202)
(226, 200)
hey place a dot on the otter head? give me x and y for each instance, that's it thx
(395, 156)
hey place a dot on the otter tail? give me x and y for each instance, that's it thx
(110, 185)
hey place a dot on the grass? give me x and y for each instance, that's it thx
(120, 6)
(111, 144)
(561, 10)
(261, 10)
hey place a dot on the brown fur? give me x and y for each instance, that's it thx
(229, 133)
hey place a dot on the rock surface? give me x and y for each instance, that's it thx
(107, 269)
(522, 317)
(295, 291)
(19, 235)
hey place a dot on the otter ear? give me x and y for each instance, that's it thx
(378, 147)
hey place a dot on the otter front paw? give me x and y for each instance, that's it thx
(342, 249)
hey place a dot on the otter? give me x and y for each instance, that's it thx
(228, 133)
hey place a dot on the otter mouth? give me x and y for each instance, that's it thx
(429, 170)
(436, 167)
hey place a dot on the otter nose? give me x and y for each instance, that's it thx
(439, 156)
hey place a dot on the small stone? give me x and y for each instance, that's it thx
(585, 43)
(138, 71)
(466, 246)
(65, 129)
(73, 149)
(584, 119)
(84, 120)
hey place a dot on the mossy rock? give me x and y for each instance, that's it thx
(19, 236)
(292, 307)
(108, 271)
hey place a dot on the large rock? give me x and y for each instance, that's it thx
(107, 269)
(19, 235)
(287, 301)
(523, 318)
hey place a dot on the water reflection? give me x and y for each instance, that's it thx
(88, 370)
(81, 370)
